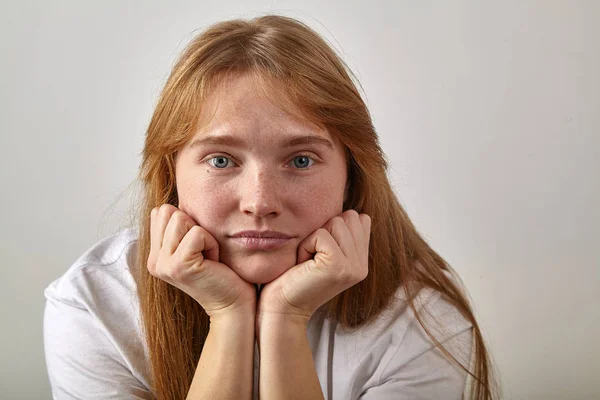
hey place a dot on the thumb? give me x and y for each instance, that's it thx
(320, 241)
(307, 248)
(211, 247)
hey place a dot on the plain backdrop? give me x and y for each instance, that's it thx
(488, 111)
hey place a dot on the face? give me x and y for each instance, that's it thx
(259, 180)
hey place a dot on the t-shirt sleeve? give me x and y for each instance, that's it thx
(82, 361)
(428, 376)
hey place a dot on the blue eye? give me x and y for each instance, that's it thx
(302, 162)
(219, 162)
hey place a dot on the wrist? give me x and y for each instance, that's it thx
(233, 317)
(279, 324)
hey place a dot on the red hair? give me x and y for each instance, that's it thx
(294, 64)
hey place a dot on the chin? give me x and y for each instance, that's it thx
(260, 267)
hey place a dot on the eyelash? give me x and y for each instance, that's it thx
(228, 157)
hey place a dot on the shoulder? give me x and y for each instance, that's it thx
(101, 272)
(439, 315)
(397, 333)
(399, 320)
(435, 309)
(93, 338)
(394, 346)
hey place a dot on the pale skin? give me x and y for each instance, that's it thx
(192, 247)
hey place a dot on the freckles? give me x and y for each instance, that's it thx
(322, 198)
(199, 195)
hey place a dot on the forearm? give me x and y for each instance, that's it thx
(225, 369)
(287, 369)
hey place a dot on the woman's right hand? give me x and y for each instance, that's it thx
(185, 255)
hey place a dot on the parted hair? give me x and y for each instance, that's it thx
(299, 68)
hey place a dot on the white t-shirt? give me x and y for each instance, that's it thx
(95, 350)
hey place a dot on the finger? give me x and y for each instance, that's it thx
(361, 240)
(159, 217)
(355, 227)
(365, 221)
(198, 242)
(154, 240)
(177, 227)
(320, 241)
(160, 221)
(340, 232)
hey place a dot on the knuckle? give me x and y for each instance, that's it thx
(197, 235)
(166, 209)
(181, 219)
(196, 231)
(151, 267)
(352, 213)
(321, 231)
(337, 220)
(151, 257)
(179, 215)
(363, 274)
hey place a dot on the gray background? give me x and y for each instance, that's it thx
(488, 111)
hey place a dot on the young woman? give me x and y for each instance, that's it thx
(272, 259)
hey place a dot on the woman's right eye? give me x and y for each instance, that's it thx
(220, 162)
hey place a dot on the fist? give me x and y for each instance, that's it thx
(185, 255)
(330, 260)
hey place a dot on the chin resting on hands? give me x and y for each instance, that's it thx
(341, 258)
(186, 256)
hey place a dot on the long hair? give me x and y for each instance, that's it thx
(297, 66)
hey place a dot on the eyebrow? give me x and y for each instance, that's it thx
(236, 142)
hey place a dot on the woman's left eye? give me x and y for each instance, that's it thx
(220, 162)
(303, 162)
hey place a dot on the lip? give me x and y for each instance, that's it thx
(261, 240)
(261, 235)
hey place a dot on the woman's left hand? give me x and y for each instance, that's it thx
(341, 258)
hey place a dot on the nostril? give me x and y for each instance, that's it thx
(261, 207)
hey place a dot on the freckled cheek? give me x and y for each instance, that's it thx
(319, 203)
(208, 204)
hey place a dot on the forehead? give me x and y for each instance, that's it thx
(245, 103)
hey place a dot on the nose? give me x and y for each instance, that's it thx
(260, 193)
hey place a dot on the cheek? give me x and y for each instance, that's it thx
(205, 203)
(320, 202)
